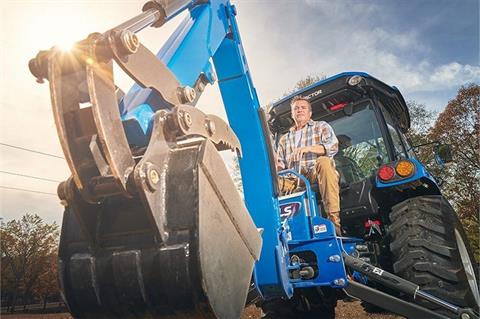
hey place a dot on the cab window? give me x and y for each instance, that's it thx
(398, 147)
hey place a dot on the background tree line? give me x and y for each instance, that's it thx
(459, 126)
(28, 262)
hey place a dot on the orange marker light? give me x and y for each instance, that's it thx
(404, 168)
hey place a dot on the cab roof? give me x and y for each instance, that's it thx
(328, 95)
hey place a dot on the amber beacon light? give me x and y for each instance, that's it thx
(404, 168)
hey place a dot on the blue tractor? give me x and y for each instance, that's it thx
(388, 198)
(155, 227)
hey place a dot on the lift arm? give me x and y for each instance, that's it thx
(189, 56)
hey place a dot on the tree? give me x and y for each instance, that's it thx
(421, 123)
(46, 286)
(27, 247)
(304, 82)
(459, 126)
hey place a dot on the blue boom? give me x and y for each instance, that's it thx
(188, 56)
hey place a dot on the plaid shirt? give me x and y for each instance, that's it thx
(314, 133)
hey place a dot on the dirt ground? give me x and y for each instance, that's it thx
(345, 310)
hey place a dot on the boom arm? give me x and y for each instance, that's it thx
(189, 56)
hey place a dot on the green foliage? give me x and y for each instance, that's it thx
(28, 247)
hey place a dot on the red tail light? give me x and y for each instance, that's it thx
(369, 223)
(386, 173)
(337, 107)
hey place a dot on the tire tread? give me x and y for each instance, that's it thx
(424, 249)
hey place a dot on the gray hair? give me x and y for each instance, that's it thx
(300, 98)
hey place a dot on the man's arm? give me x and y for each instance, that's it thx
(316, 149)
(328, 139)
(300, 151)
(327, 146)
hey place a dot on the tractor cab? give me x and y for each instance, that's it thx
(369, 119)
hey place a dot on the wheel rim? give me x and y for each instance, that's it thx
(468, 267)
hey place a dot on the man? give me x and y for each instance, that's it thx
(308, 148)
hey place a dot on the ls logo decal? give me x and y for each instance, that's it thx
(289, 210)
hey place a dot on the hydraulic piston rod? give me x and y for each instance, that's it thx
(390, 280)
(141, 21)
(155, 13)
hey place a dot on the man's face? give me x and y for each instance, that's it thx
(301, 112)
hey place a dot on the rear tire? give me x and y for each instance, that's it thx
(430, 248)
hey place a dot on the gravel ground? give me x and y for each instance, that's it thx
(345, 310)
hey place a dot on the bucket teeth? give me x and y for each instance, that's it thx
(115, 263)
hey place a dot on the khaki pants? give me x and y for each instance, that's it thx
(327, 177)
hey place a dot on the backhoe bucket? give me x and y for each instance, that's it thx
(113, 263)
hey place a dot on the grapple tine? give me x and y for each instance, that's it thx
(92, 137)
(224, 134)
(145, 68)
(75, 126)
(107, 119)
(191, 121)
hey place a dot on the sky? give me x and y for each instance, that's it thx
(428, 49)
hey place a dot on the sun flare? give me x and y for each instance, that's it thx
(66, 44)
(59, 26)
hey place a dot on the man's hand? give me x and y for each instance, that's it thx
(299, 152)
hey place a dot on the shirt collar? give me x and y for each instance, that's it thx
(309, 123)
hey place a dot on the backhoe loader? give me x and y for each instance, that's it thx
(154, 226)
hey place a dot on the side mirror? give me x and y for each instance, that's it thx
(443, 154)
